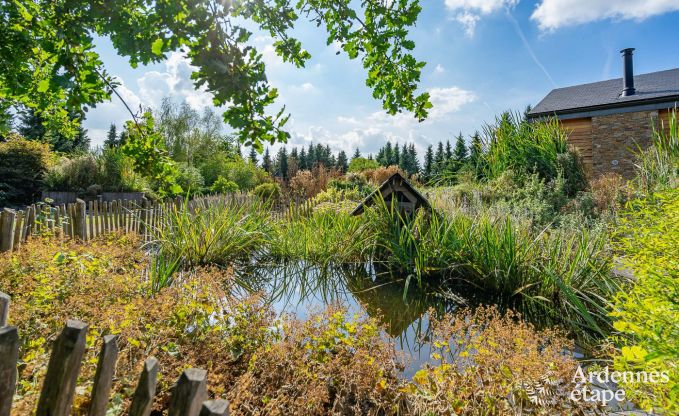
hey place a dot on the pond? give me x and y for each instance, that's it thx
(299, 289)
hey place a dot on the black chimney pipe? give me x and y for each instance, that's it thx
(628, 72)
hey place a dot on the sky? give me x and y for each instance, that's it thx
(483, 57)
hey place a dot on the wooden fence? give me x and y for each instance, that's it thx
(87, 220)
(189, 394)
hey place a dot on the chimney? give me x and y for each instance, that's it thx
(628, 72)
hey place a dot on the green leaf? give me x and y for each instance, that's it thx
(157, 46)
(43, 85)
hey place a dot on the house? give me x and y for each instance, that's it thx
(395, 190)
(608, 121)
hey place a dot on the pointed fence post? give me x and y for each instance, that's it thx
(80, 220)
(62, 371)
(189, 393)
(103, 378)
(142, 401)
(215, 408)
(7, 219)
(4, 308)
(9, 354)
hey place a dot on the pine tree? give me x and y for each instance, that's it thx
(253, 156)
(429, 163)
(439, 159)
(282, 163)
(475, 149)
(311, 157)
(111, 137)
(460, 154)
(396, 156)
(412, 159)
(357, 153)
(32, 128)
(303, 159)
(267, 165)
(449, 151)
(342, 162)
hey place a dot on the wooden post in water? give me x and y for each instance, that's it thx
(215, 408)
(9, 354)
(58, 388)
(103, 378)
(7, 223)
(142, 401)
(189, 393)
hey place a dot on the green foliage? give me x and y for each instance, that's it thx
(23, 163)
(359, 164)
(647, 314)
(144, 146)
(33, 128)
(190, 179)
(49, 62)
(269, 191)
(224, 186)
(658, 166)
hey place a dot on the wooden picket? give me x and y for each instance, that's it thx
(88, 220)
(188, 397)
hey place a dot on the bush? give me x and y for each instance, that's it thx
(74, 175)
(224, 186)
(245, 174)
(190, 179)
(381, 174)
(647, 314)
(359, 164)
(270, 191)
(23, 164)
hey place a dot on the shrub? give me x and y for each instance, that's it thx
(381, 174)
(74, 175)
(359, 164)
(224, 186)
(494, 365)
(647, 315)
(23, 164)
(190, 179)
(270, 191)
(610, 192)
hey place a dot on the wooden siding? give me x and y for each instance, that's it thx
(580, 136)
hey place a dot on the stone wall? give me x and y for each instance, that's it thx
(615, 139)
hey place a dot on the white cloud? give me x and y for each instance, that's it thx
(100, 118)
(174, 82)
(448, 100)
(439, 69)
(307, 87)
(469, 12)
(553, 14)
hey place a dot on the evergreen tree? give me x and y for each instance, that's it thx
(429, 163)
(357, 153)
(475, 149)
(267, 165)
(413, 162)
(253, 156)
(303, 159)
(32, 128)
(449, 151)
(282, 163)
(460, 154)
(439, 159)
(311, 157)
(385, 155)
(396, 158)
(112, 137)
(342, 162)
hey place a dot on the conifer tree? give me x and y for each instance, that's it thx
(429, 163)
(439, 159)
(449, 151)
(111, 137)
(357, 153)
(303, 159)
(282, 163)
(460, 154)
(267, 165)
(342, 162)
(253, 156)
(475, 149)
(396, 156)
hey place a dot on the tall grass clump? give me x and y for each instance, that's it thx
(658, 166)
(218, 232)
(514, 144)
(322, 238)
(553, 276)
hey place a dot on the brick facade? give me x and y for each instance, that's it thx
(615, 139)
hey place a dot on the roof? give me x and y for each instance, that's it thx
(396, 177)
(656, 87)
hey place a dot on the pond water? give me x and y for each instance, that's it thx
(300, 289)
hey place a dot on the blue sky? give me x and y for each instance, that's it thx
(483, 57)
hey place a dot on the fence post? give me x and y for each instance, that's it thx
(215, 408)
(103, 378)
(9, 354)
(4, 308)
(62, 371)
(142, 401)
(80, 221)
(189, 393)
(7, 219)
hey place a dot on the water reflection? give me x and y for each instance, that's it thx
(401, 306)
